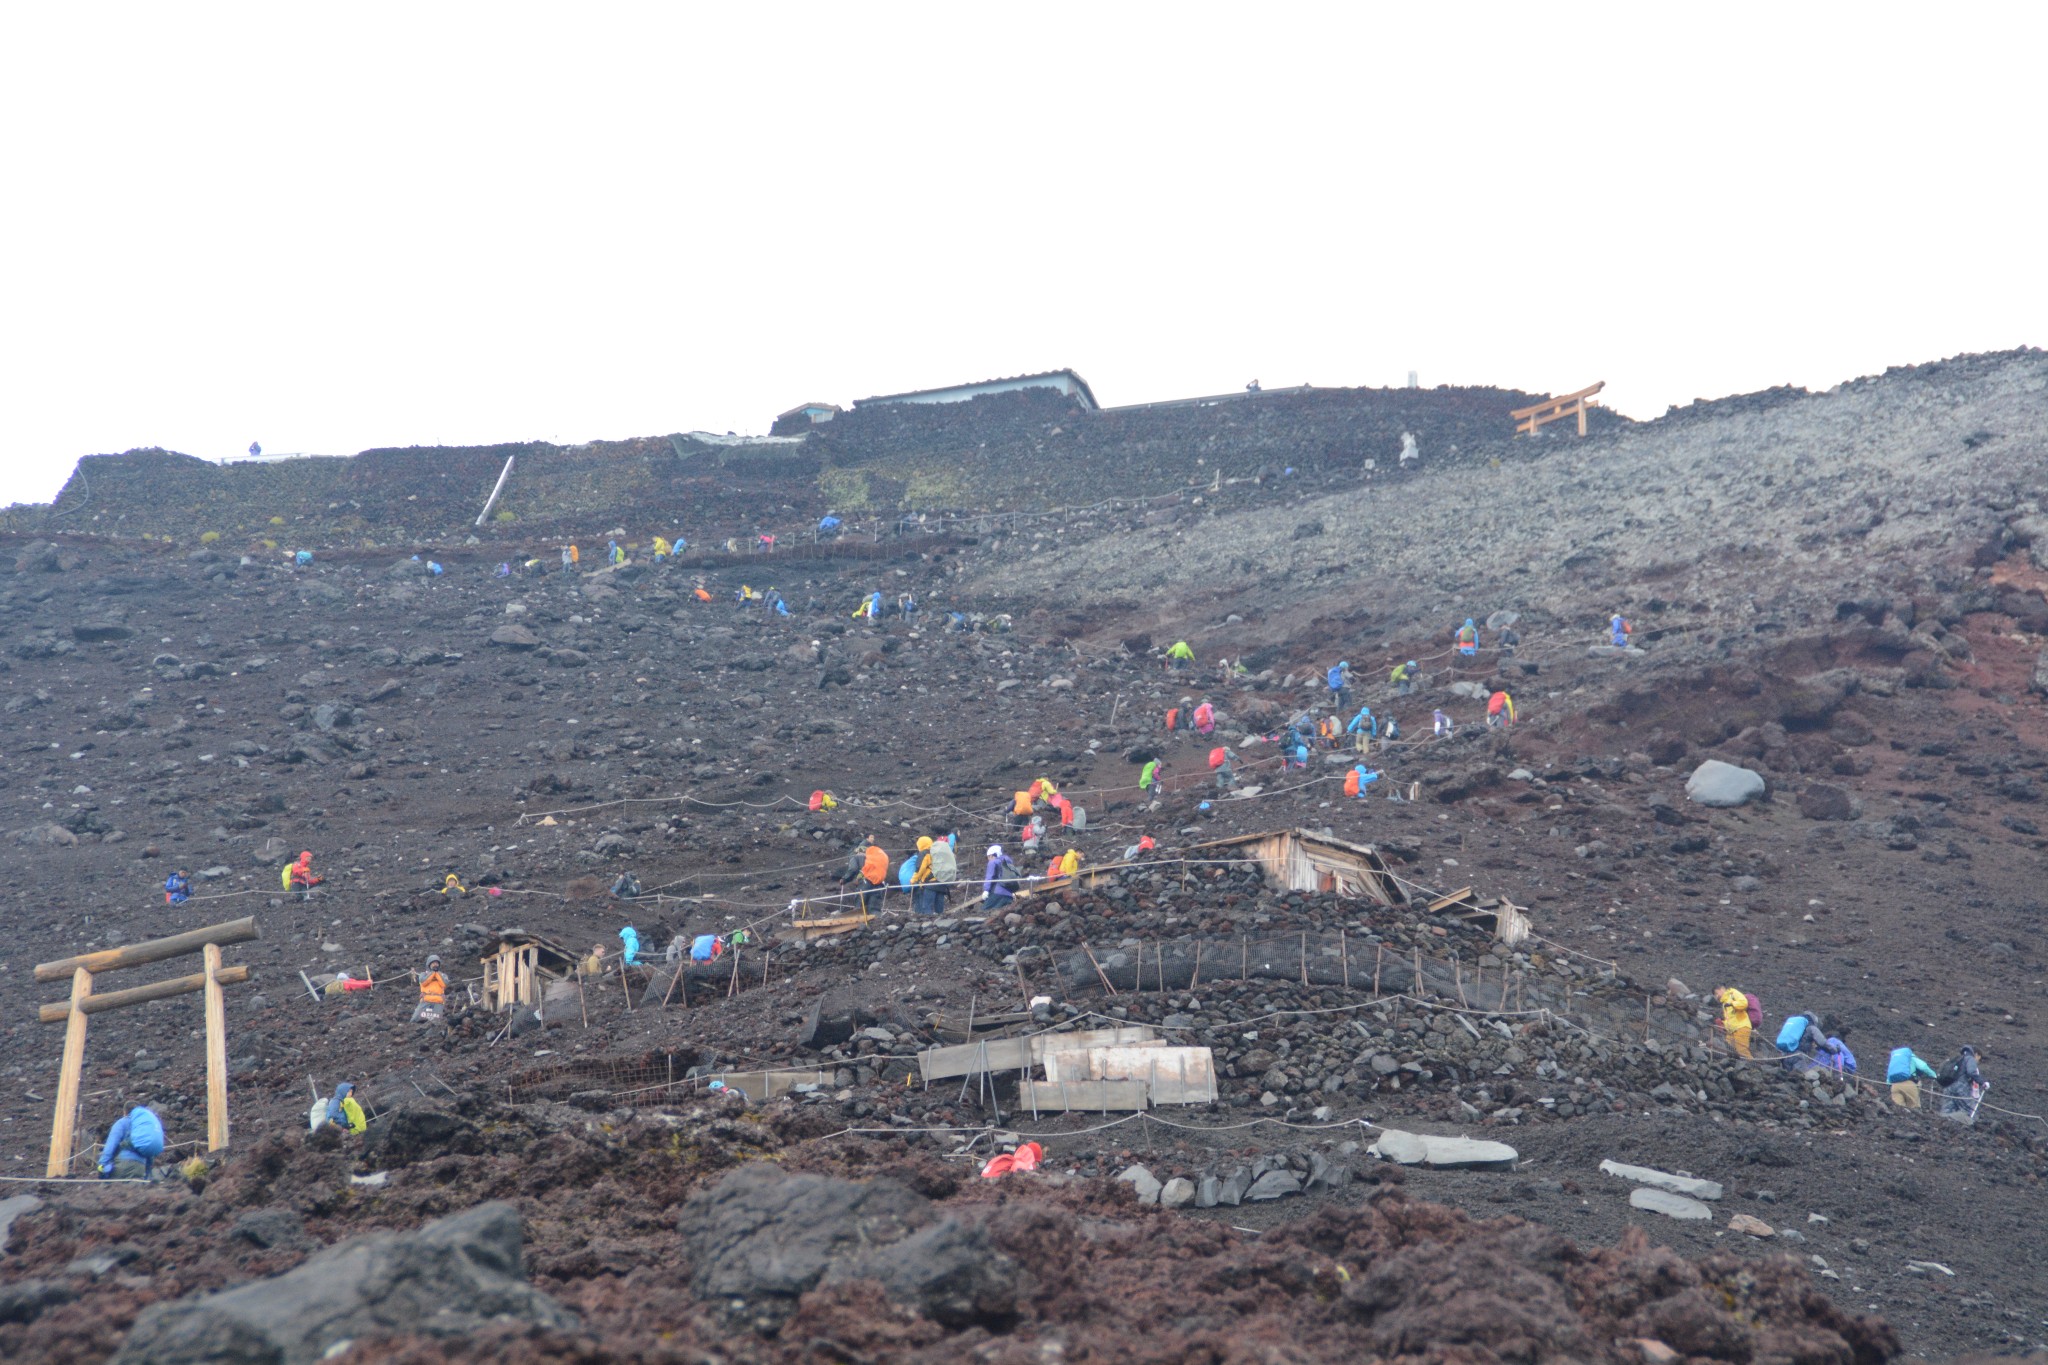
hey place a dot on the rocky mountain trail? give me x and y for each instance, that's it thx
(539, 733)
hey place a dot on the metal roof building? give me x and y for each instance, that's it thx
(1062, 381)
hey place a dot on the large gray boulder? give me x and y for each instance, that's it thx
(512, 635)
(1715, 783)
(447, 1279)
(761, 1238)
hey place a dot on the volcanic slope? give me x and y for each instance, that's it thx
(183, 708)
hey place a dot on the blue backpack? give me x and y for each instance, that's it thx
(1788, 1036)
(145, 1132)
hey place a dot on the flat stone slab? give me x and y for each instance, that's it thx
(1443, 1153)
(1274, 1185)
(11, 1209)
(1664, 1180)
(1669, 1204)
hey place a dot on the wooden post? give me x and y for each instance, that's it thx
(64, 1130)
(1418, 972)
(1098, 967)
(1344, 953)
(216, 1054)
(1197, 979)
(1504, 982)
(1379, 958)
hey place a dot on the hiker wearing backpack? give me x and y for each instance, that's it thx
(1797, 1039)
(1903, 1071)
(1961, 1083)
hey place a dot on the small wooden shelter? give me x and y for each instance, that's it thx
(517, 966)
(1296, 860)
(1497, 915)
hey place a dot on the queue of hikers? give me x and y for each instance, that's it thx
(1805, 1042)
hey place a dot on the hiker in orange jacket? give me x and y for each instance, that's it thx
(299, 876)
(874, 872)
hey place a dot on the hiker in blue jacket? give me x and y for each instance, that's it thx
(137, 1133)
(1832, 1054)
(1339, 679)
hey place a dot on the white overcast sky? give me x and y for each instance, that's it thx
(330, 228)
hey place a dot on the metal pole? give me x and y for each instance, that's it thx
(497, 489)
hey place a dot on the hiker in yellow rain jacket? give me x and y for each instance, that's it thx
(1734, 1018)
(661, 548)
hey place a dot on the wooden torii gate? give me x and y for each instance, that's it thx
(1552, 409)
(84, 1004)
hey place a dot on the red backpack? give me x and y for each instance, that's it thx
(1756, 1010)
(1173, 719)
(1216, 757)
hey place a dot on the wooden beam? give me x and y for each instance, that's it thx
(138, 995)
(1519, 413)
(216, 1052)
(155, 950)
(64, 1129)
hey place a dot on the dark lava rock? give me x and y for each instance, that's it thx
(764, 1237)
(1825, 801)
(267, 1228)
(24, 1300)
(448, 1279)
(512, 635)
(419, 1133)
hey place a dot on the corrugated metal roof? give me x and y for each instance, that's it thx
(982, 383)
